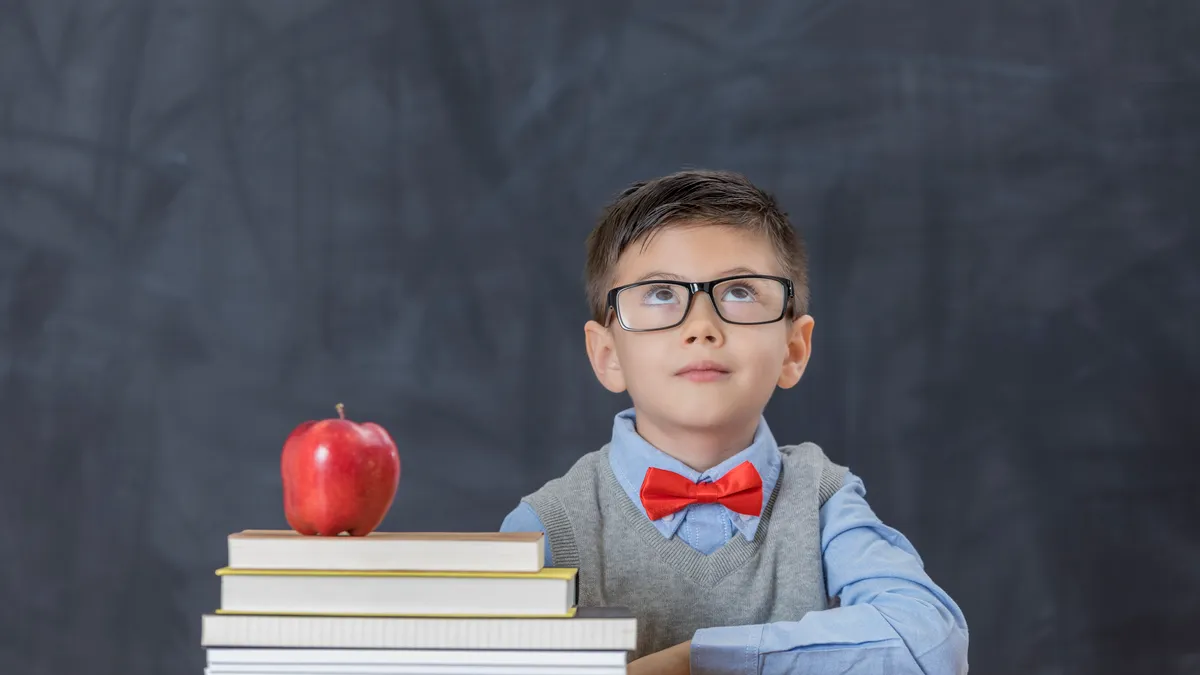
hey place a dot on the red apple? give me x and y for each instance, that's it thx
(338, 476)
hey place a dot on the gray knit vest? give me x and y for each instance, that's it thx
(671, 588)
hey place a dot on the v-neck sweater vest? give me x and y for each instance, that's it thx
(671, 588)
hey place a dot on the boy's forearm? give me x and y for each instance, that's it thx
(671, 661)
(859, 638)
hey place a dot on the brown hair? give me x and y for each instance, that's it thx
(707, 197)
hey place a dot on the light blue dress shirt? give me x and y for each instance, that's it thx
(892, 620)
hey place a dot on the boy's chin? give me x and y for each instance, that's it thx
(706, 418)
(700, 408)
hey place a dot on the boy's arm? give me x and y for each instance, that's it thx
(525, 519)
(892, 618)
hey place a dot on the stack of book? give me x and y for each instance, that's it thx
(401, 603)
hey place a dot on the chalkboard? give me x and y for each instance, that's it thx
(219, 219)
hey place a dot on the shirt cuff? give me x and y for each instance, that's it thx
(726, 650)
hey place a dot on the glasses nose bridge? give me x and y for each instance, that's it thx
(696, 287)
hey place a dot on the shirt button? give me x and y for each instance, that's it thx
(669, 517)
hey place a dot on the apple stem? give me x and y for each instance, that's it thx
(341, 411)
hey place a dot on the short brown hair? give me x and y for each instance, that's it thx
(708, 197)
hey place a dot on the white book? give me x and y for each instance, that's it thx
(475, 669)
(550, 592)
(256, 657)
(415, 551)
(592, 628)
(400, 662)
(388, 662)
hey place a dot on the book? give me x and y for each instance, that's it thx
(591, 628)
(390, 660)
(415, 551)
(549, 592)
(420, 669)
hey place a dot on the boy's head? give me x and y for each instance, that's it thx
(745, 336)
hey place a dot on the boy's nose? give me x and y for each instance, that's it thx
(701, 323)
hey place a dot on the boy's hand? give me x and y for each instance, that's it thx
(675, 660)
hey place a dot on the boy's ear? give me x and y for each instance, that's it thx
(603, 356)
(799, 348)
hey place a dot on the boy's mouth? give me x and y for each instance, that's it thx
(703, 371)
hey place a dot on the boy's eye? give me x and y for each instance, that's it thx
(661, 295)
(739, 293)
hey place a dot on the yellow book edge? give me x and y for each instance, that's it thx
(568, 615)
(563, 573)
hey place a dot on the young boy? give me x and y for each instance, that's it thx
(735, 554)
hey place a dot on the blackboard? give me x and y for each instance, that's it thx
(219, 219)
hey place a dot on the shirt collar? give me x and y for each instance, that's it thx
(631, 456)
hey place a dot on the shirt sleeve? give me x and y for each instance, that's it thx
(892, 618)
(525, 519)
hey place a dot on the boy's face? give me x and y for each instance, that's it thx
(752, 360)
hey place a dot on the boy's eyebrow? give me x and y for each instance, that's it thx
(657, 274)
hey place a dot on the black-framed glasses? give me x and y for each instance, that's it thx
(660, 304)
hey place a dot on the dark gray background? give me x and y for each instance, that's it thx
(218, 219)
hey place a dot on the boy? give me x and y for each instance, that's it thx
(735, 554)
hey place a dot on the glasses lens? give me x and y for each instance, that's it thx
(651, 306)
(750, 300)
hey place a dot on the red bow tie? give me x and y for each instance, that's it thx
(665, 492)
